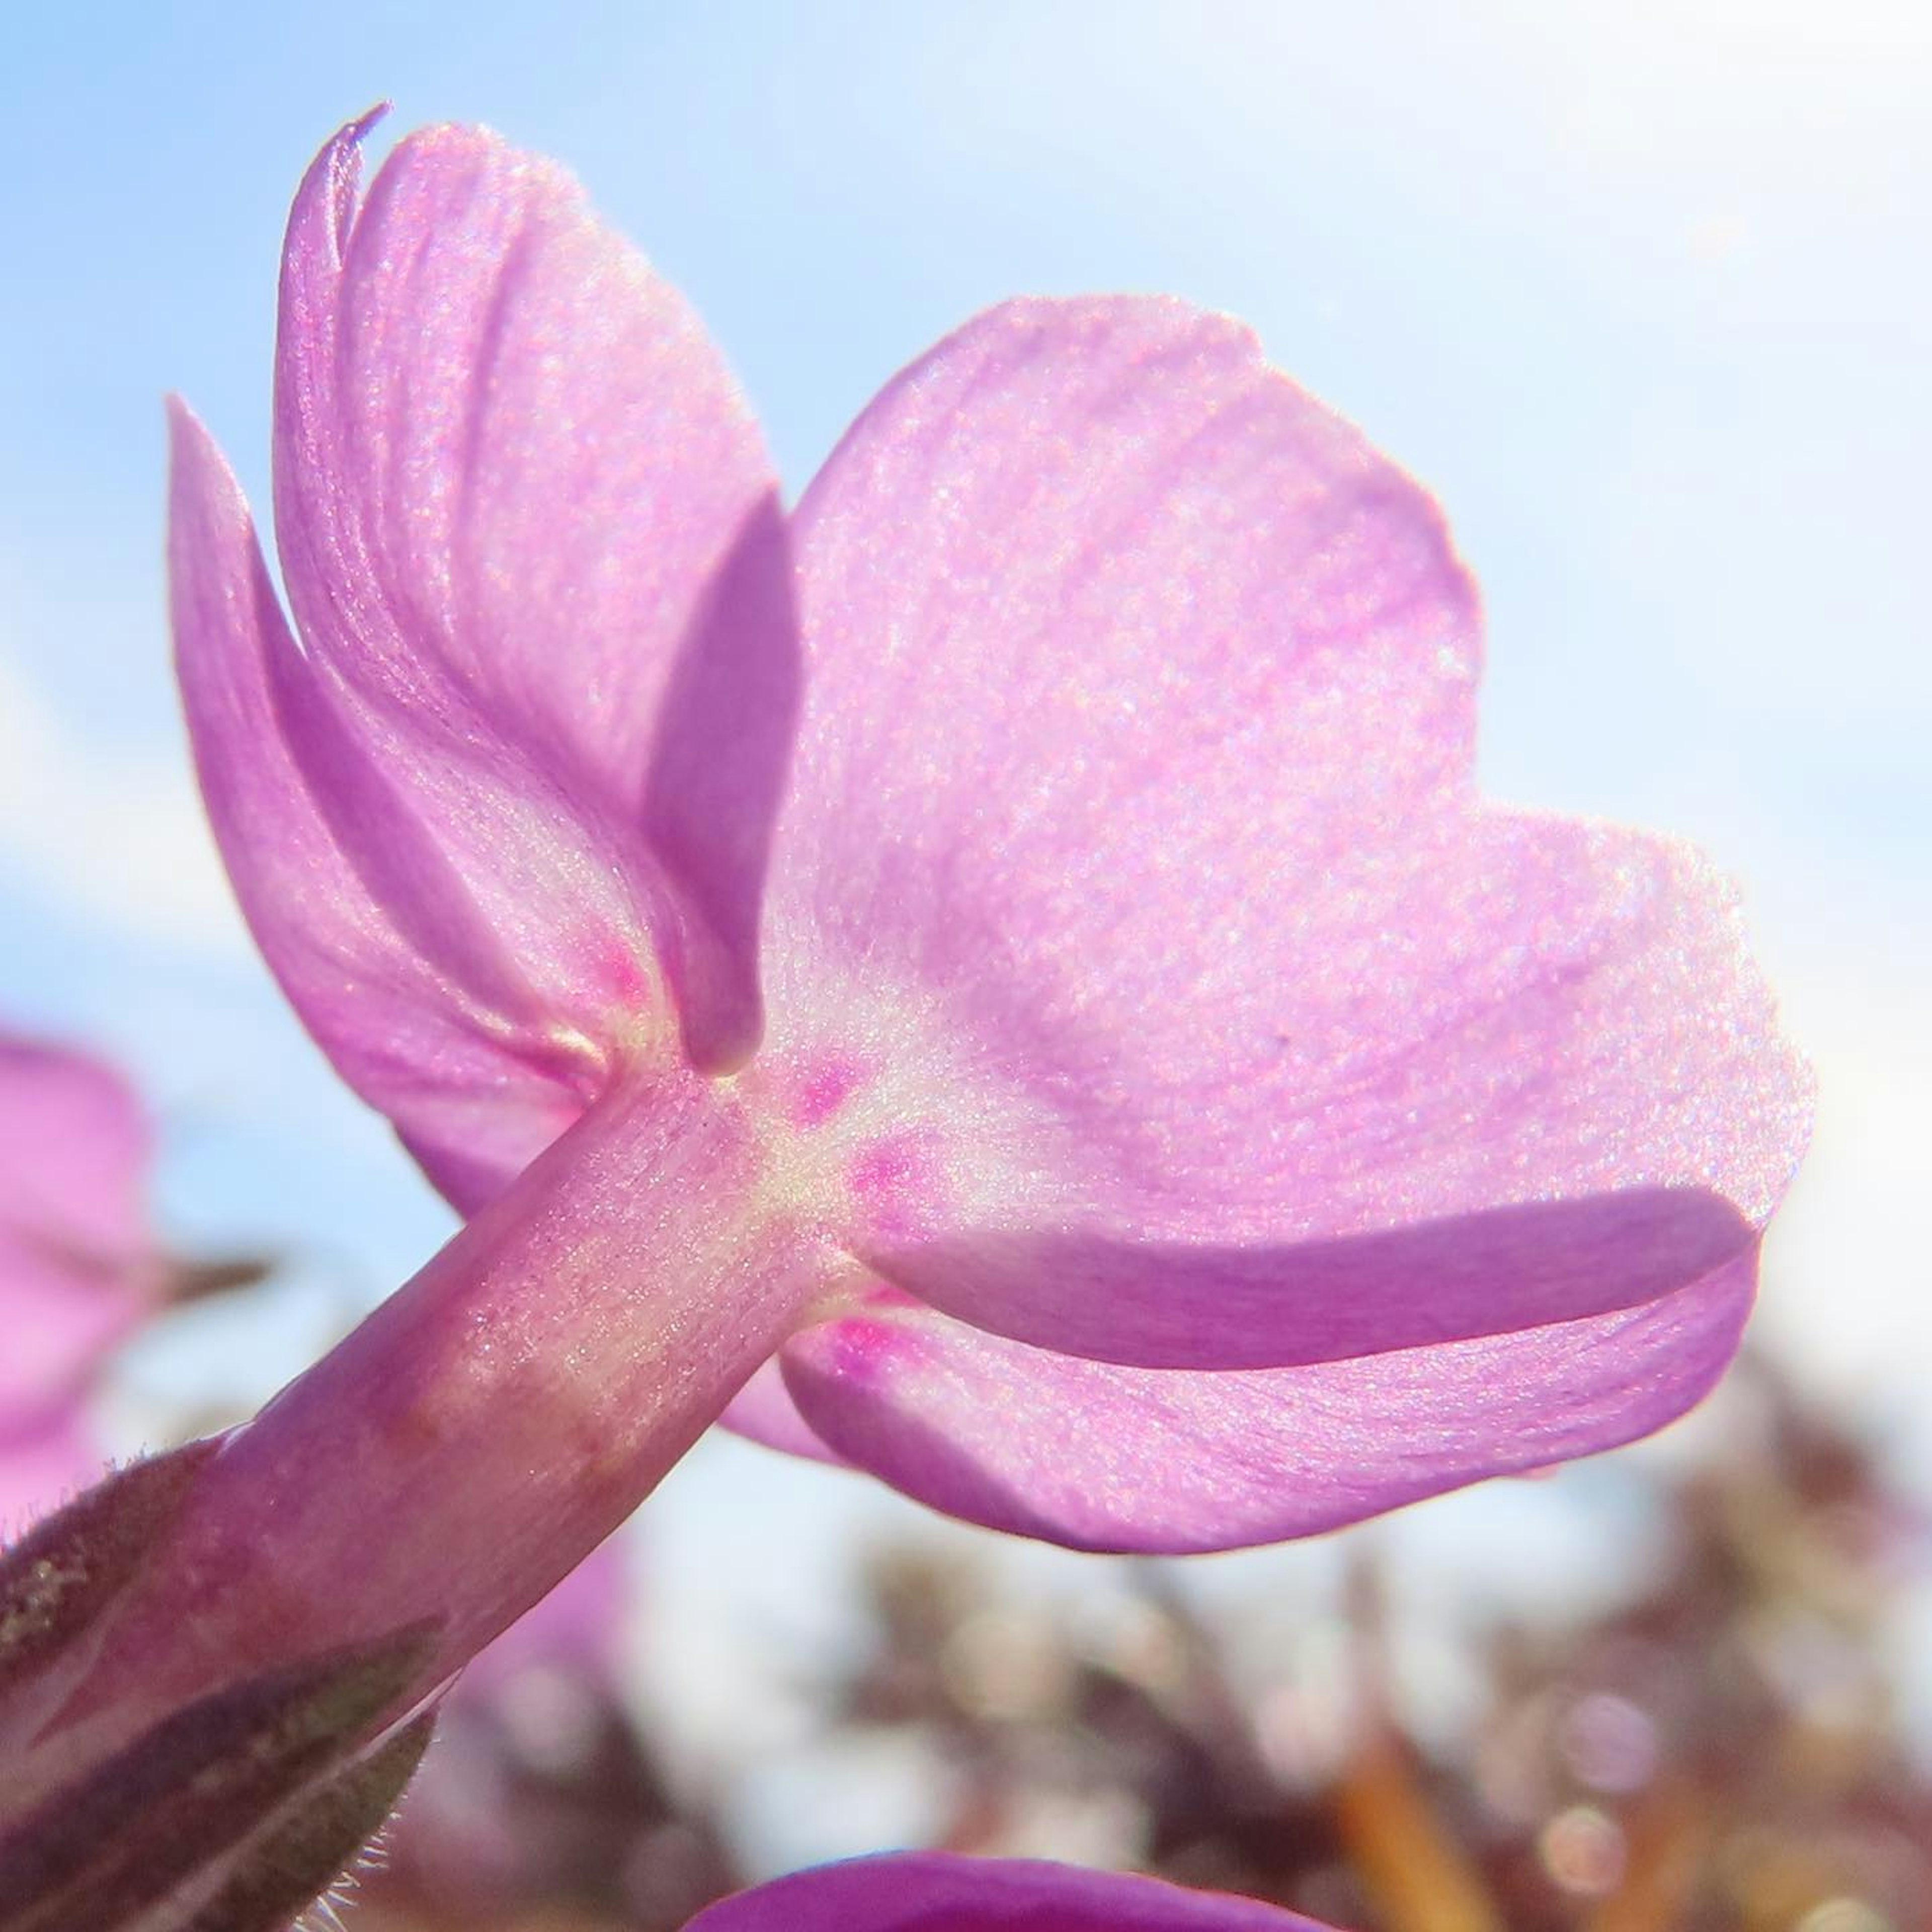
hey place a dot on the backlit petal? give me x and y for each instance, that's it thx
(1524, 1075)
(524, 512)
(1137, 749)
(1101, 1457)
(403, 1029)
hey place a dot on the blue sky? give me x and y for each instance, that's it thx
(1640, 290)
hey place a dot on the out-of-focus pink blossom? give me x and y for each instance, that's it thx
(79, 1268)
(1005, 965)
(576, 1632)
(933, 1892)
(543, 1699)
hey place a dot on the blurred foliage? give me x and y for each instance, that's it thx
(1720, 1753)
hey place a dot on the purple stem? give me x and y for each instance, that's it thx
(487, 1427)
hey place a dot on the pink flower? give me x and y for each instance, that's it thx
(932, 1891)
(79, 1268)
(1006, 960)
(576, 1632)
(539, 1705)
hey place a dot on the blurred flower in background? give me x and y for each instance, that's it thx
(81, 1266)
(935, 1893)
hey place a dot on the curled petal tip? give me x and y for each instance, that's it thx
(349, 137)
(336, 174)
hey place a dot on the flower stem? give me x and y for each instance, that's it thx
(485, 1428)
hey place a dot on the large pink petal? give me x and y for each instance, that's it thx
(1138, 750)
(1166, 1305)
(430, 1023)
(1116, 640)
(524, 512)
(1530, 1075)
(937, 1891)
(1100, 1457)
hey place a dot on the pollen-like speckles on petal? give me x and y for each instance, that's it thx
(825, 1087)
(865, 1351)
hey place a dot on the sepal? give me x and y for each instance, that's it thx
(58, 1579)
(295, 1859)
(205, 1805)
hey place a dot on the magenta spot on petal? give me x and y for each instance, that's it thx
(825, 1090)
(621, 971)
(895, 1184)
(881, 1173)
(862, 1352)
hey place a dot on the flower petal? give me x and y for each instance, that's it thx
(1494, 1272)
(521, 506)
(1116, 640)
(417, 1039)
(764, 1412)
(1138, 738)
(939, 1892)
(61, 1310)
(1100, 1457)
(1523, 1073)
